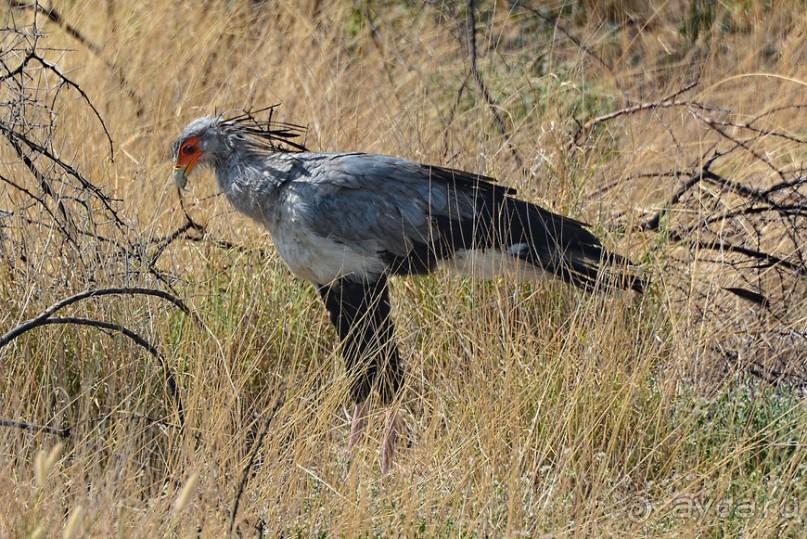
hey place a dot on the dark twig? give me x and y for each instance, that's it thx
(654, 222)
(36, 198)
(453, 112)
(768, 260)
(789, 184)
(170, 378)
(68, 431)
(245, 476)
(47, 313)
(61, 433)
(744, 144)
(477, 76)
(180, 232)
(46, 318)
(784, 210)
(555, 24)
(771, 376)
(67, 227)
(51, 67)
(54, 16)
(666, 102)
(16, 138)
(757, 130)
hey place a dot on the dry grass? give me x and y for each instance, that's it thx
(530, 409)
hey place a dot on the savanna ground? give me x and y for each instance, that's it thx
(677, 129)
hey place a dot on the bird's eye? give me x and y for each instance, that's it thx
(189, 149)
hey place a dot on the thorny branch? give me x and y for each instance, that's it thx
(653, 222)
(29, 124)
(583, 130)
(55, 17)
(75, 204)
(765, 197)
(47, 318)
(48, 192)
(61, 433)
(183, 232)
(750, 231)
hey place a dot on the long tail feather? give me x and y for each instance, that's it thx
(564, 247)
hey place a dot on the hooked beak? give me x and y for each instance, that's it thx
(181, 173)
(183, 170)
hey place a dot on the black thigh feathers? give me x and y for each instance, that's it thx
(360, 312)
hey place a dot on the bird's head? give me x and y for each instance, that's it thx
(210, 139)
(203, 141)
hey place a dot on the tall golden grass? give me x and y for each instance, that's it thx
(529, 409)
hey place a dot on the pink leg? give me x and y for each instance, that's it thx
(390, 437)
(357, 424)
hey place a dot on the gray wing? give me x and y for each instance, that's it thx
(408, 214)
(412, 216)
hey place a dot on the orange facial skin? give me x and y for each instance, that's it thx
(188, 156)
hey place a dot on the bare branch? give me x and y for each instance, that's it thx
(47, 313)
(477, 76)
(170, 378)
(653, 222)
(258, 443)
(61, 433)
(565, 32)
(666, 102)
(46, 318)
(54, 16)
(84, 96)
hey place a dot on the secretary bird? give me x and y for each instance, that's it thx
(347, 221)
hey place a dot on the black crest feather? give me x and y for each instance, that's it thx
(267, 134)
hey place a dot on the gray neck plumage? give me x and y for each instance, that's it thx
(244, 177)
